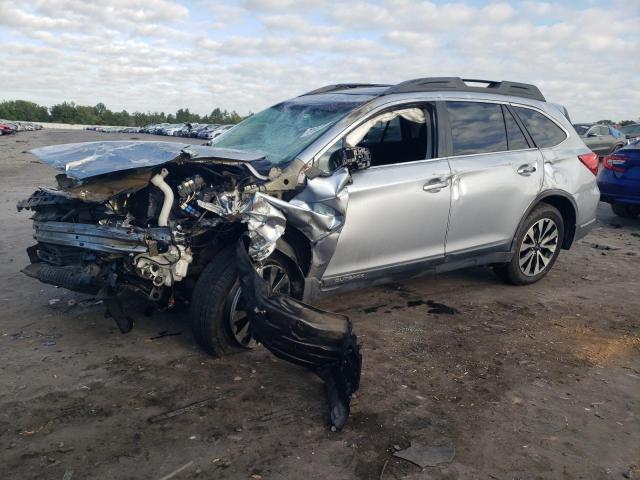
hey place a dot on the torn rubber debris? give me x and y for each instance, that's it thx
(304, 335)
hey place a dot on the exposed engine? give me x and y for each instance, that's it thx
(149, 239)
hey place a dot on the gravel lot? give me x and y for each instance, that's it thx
(525, 382)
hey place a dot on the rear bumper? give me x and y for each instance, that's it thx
(584, 229)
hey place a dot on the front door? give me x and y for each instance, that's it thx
(399, 207)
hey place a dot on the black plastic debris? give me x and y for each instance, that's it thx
(304, 335)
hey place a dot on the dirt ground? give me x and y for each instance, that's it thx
(524, 382)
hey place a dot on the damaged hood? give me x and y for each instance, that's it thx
(81, 161)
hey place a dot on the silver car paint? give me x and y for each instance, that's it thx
(486, 206)
(563, 173)
(489, 197)
(391, 219)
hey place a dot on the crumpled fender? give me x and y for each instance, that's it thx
(321, 341)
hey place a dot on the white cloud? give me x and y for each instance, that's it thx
(162, 55)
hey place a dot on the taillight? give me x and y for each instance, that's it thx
(614, 162)
(590, 161)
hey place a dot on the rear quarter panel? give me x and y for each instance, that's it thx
(564, 171)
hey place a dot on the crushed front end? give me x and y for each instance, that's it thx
(150, 216)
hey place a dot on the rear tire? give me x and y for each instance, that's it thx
(216, 304)
(625, 211)
(538, 245)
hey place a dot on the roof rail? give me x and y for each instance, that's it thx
(342, 86)
(458, 84)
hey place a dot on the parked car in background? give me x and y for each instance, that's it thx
(219, 131)
(29, 126)
(157, 128)
(7, 128)
(631, 132)
(195, 131)
(619, 180)
(171, 129)
(602, 139)
(185, 130)
(207, 133)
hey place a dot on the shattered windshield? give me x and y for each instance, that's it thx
(284, 130)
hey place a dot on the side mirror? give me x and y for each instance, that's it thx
(355, 158)
(592, 134)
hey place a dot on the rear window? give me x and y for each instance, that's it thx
(476, 128)
(543, 131)
(515, 137)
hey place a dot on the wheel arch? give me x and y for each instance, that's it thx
(295, 245)
(567, 208)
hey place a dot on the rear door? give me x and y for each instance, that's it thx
(496, 175)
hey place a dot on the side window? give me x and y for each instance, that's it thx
(543, 131)
(383, 132)
(593, 131)
(393, 133)
(515, 138)
(476, 127)
(396, 136)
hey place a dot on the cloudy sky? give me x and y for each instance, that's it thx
(160, 55)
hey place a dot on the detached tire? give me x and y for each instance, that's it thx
(538, 245)
(216, 317)
(625, 211)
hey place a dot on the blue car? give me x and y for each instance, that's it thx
(619, 180)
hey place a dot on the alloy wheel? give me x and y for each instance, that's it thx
(538, 247)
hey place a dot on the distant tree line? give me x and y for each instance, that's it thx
(69, 112)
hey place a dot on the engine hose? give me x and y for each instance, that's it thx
(158, 181)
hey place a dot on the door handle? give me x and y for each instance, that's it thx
(435, 185)
(526, 170)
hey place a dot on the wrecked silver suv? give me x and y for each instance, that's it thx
(343, 187)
